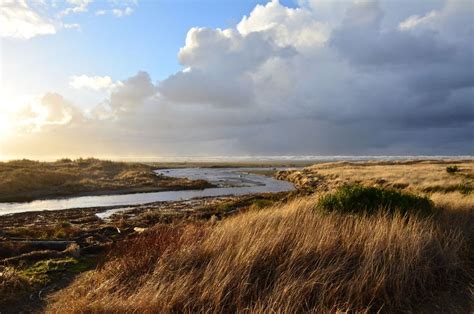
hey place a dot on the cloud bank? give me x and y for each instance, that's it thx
(353, 78)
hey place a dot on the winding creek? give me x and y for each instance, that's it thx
(229, 181)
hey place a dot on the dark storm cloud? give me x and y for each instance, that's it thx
(324, 78)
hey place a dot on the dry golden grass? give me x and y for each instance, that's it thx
(415, 176)
(290, 258)
(454, 201)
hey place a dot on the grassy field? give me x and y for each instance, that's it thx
(415, 176)
(358, 244)
(26, 180)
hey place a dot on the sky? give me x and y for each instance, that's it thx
(131, 78)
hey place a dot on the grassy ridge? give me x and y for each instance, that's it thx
(25, 180)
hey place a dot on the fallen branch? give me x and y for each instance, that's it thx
(32, 257)
(39, 245)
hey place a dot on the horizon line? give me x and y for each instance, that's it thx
(230, 158)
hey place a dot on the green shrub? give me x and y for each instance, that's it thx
(361, 199)
(452, 169)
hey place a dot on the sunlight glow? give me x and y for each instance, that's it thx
(5, 126)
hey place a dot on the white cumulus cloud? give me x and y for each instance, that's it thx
(18, 20)
(78, 6)
(286, 26)
(122, 12)
(91, 82)
(22, 19)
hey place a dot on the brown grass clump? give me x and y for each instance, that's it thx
(12, 284)
(287, 259)
(130, 263)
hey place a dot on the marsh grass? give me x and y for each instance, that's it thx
(58, 231)
(413, 176)
(286, 258)
(453, 201)
(254, 202)
(358, 254)
(463, 188)
(42, 270)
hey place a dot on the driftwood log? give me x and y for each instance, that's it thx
(39, 245)
(43, 250)
(32, 256)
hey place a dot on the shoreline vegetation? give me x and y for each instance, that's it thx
(26, 180)
(354, 237)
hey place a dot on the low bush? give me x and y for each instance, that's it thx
(362, 199)
(452, 169)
